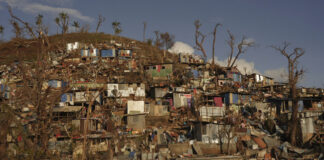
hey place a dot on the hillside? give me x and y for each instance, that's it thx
(14, 50)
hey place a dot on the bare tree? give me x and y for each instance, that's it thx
(116, 27)
(62, 21)
(39, 23)
(16, 29)
(199, 38)
(242, 47)
(16, 19)
(33, 77)
(167, 40)
(91, 100)
(228, 130)
(158, 40)
(214, 41)
(43, 99)
(149, 41)
(85, 28)
(101, 19)
(294, 75)
(76, 25)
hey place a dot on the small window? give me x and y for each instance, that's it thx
(163, 67)
(154, 67)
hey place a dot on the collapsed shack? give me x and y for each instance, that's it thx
(98, 145)
(66, 114)
(136, 121)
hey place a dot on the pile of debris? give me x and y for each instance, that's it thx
(104, 100)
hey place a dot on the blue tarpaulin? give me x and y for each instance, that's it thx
(64, 84)
(2, 87)
(85, 53)
(63, 98)
(108, 53)
(231, 98)
(53, 83)
(56, 83)
(235, 98)
(5, 91)
(7, 95)
(300, 106)
(195, 73)
(236, 77)
(66, 97)
(189, 102)
(82, 53)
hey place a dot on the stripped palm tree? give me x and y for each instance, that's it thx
(116, 27)
(76, 25)
(62, 21)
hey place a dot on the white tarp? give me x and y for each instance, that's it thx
(72, 46)
(181, 100)
(135, 107)
(84, 97)
(94, 52)
(125, 90)
(208, 112)
(140, 92)
(110, 88)
(307, 126)
(259, 78)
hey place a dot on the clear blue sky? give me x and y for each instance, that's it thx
(268, 22)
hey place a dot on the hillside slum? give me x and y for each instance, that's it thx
(112, 102)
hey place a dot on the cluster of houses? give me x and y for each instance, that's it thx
(140, 110)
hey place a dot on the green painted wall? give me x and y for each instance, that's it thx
(154, 73)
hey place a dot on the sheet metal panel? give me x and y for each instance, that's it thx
(108, 53)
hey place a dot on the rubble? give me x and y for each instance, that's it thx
(113, 103)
